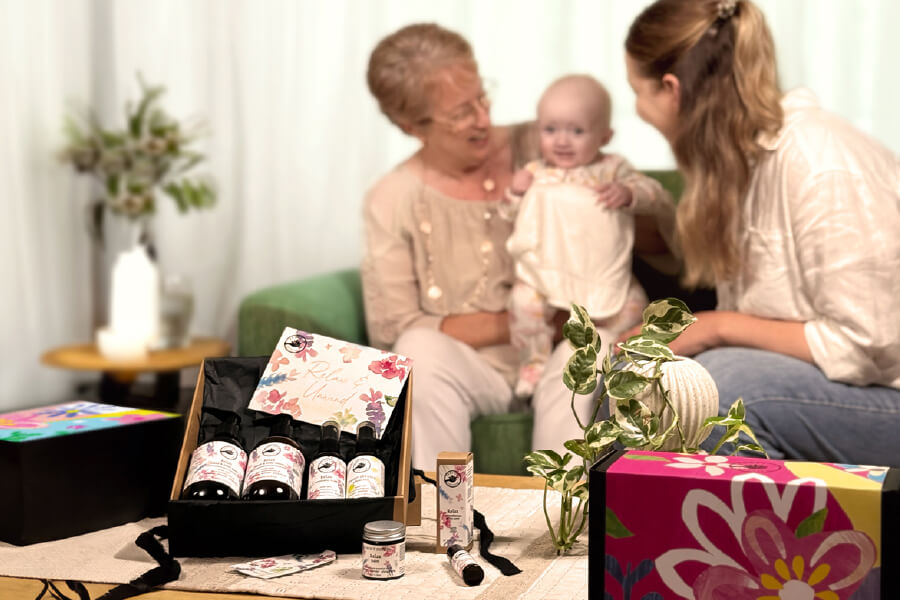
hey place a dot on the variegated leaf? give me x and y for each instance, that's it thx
(635, 417)
(580, 330)
(580, 374)
(664, 320)
(543, 472)
(602, 434)
(622, 385)
(547, 459)
(572, 479)
(648, 347)
(579, 448)
(555, 479)
(736, 410)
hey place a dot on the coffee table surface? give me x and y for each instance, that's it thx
(87, 357)
(17, 587)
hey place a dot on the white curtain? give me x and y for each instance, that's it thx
(294, 137)
(45, 58)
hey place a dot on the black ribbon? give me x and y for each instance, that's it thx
(168, 570)
(75, 586)
(504, 565)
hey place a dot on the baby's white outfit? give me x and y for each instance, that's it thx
(569, 249)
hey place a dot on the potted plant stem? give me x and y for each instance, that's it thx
(642, 414)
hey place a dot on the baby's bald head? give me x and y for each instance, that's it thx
(573, 119)
(581, 94)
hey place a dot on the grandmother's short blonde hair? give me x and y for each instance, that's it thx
(403, 66)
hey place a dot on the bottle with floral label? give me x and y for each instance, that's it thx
(276, 465)
(328, 471)
(365, 471)
(217, 466)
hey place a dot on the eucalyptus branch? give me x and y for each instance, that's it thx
(135, 163)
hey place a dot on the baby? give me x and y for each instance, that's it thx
(574, 226)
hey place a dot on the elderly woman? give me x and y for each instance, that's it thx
(436, 273)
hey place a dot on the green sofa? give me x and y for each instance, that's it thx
(331, 304)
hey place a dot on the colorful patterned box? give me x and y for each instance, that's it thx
(668, 525)
(72, 468)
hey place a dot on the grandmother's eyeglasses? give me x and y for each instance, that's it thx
(465, 115)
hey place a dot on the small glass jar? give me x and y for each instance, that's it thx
(384, 550)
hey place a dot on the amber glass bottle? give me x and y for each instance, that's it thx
(276, 465)
(217, 466)
(327, 471)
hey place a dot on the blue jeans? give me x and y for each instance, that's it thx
(798, 413)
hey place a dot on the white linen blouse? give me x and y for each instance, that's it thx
(820, 243)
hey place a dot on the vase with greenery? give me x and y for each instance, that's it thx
(150, 156)
(625, 376)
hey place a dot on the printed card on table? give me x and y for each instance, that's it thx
(315, 378)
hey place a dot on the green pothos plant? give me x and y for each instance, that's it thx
(623, 375)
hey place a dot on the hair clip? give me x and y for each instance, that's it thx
(726, 8)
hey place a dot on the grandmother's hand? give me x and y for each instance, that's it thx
(521, 181)
(701, 335)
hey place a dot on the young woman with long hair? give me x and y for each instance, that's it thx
(794, 216)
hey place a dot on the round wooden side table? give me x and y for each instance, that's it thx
(118, 375)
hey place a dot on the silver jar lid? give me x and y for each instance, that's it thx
(384, 531)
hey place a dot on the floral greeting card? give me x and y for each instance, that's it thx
(315, 378)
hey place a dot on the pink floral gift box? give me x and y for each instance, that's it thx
(315, 378)
(669, 525)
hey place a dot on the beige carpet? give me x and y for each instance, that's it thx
(515, 516)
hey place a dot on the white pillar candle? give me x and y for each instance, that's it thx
(134, 305)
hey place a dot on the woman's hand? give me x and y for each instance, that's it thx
(703, 334)
(478, 329)
(647, 238)
(521, 181)
(557, 321)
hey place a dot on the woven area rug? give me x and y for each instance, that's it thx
(515, 516)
